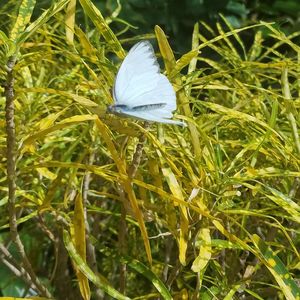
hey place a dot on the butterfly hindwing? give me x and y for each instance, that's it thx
(153, 116)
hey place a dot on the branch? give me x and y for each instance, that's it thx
(11, 176)
(7, 259)
(90, 249)
(126, 208)
(137, 156)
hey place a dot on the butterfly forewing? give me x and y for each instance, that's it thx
(139, 80)
(140, 90)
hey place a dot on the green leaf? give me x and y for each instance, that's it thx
(25, 12)
(284, 279)
(37, 24)
(146, 272)
(98, 280)
(100, 23)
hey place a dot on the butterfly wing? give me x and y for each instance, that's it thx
(154, 116)
(139, 81)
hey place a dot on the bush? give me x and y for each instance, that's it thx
(203, 212)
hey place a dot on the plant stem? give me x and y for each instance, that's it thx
(126, 208)
(136, 160)
(11, 175)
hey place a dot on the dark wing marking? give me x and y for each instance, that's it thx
(148, 106)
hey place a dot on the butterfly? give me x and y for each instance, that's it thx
(140, 90)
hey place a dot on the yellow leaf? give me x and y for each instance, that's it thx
(126, 183)
(30, 147)
(95, 15)
(46, 173)
(80, 245)
(165, 49)
(49, 120)
(87, 47)
(71, 120)
(70, 21)
(183, 62)
(79, 99)
(182, 97)
(25, 12)
(184, 222)
(204, 256)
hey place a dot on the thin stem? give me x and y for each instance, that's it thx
(290, 107)
(7, 259)
(138, 153)
(90, 249)
(126, 208)
(11, 176)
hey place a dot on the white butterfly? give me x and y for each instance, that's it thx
(140, 90)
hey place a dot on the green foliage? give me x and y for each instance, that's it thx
(177, 18)
(212, 212)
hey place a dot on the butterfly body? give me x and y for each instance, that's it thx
(140, 90)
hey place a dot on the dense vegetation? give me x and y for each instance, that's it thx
(94, 206)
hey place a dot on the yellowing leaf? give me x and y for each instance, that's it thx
(183, 62)
(182, 97)
(70, 21)
(80, 245)
(22, 35)
(184, 222)
(96, 17)
(46, 173)
(99, 280)
(79, 99)
(87, 48)
(204, 256)
(25, 12)
(49, 120)
(165, 49)
(30, 148)
(288, 285)
(72, 120)
(127, 184)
